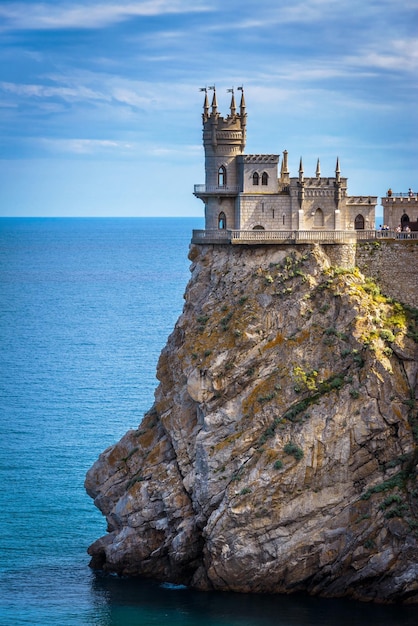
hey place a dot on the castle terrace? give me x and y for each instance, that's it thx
(277, 237)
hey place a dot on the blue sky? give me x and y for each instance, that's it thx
(100, 108)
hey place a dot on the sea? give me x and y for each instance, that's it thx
(86, 305)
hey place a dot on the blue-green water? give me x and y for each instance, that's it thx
(85, 308)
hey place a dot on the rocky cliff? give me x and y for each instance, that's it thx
(281, 452)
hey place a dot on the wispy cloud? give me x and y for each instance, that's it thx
(97, 89)
(111, 147)
(43, 91)
(298, 12)
(395, 55)
(85, 146)
(42, 16)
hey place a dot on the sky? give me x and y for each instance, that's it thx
(100, 108)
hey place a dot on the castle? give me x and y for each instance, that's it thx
(246, 192)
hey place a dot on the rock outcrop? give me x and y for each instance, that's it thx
(281, 452)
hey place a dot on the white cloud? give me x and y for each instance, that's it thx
(42, 16)
(123, 95)
(177, 151)
(87, 87)
(117, 148)
(298, 12)
(85, 146)
(44, 91)
(398, 55)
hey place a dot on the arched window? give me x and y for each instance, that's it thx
(359, 222)
(264, 178)
(222, 176)
(259, 227)
(256, 178)
(222, 221)
(404, 219)
(318, 218)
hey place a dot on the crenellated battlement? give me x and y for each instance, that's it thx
(400, 210)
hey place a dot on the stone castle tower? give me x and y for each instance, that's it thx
(223, 140)
(246, 192)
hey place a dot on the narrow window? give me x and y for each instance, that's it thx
(256, 178)
(359, 222)
(284, 219)
(264, 178)
(222, 221)
(318, 218)
(222, 176)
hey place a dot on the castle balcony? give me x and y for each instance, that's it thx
(257, 237)
(216, 190)
(211, 236)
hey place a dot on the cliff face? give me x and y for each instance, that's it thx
(281, 452)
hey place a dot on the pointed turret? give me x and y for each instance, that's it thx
(243, 117)
(233, 106)
(301, 184)
(242, 103)
(214, 103)
(338, 191)
(206, 107)
(337, 171)
(300, 169)
(318, 169)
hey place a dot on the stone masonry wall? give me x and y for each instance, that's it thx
(393, 265)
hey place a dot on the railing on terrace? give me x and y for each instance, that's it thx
(402, 194)
(211, 236)
(227, 189)
(296, 236)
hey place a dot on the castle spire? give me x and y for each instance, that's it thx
(242, 103)
(301, 183)
(337, 171)
(233, 106)
(337, 167)
(300, 169)
(338, 191)
(318, 169)
(214, 101)
(205, 105)
(243, 117)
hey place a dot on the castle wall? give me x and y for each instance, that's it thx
(390, 264)
(393, 266)
(359, 206)
(395, 207)
(214, 206)
(283, 212)
(325, 202)
(214, 160)
(273, 212)
(258, 164)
